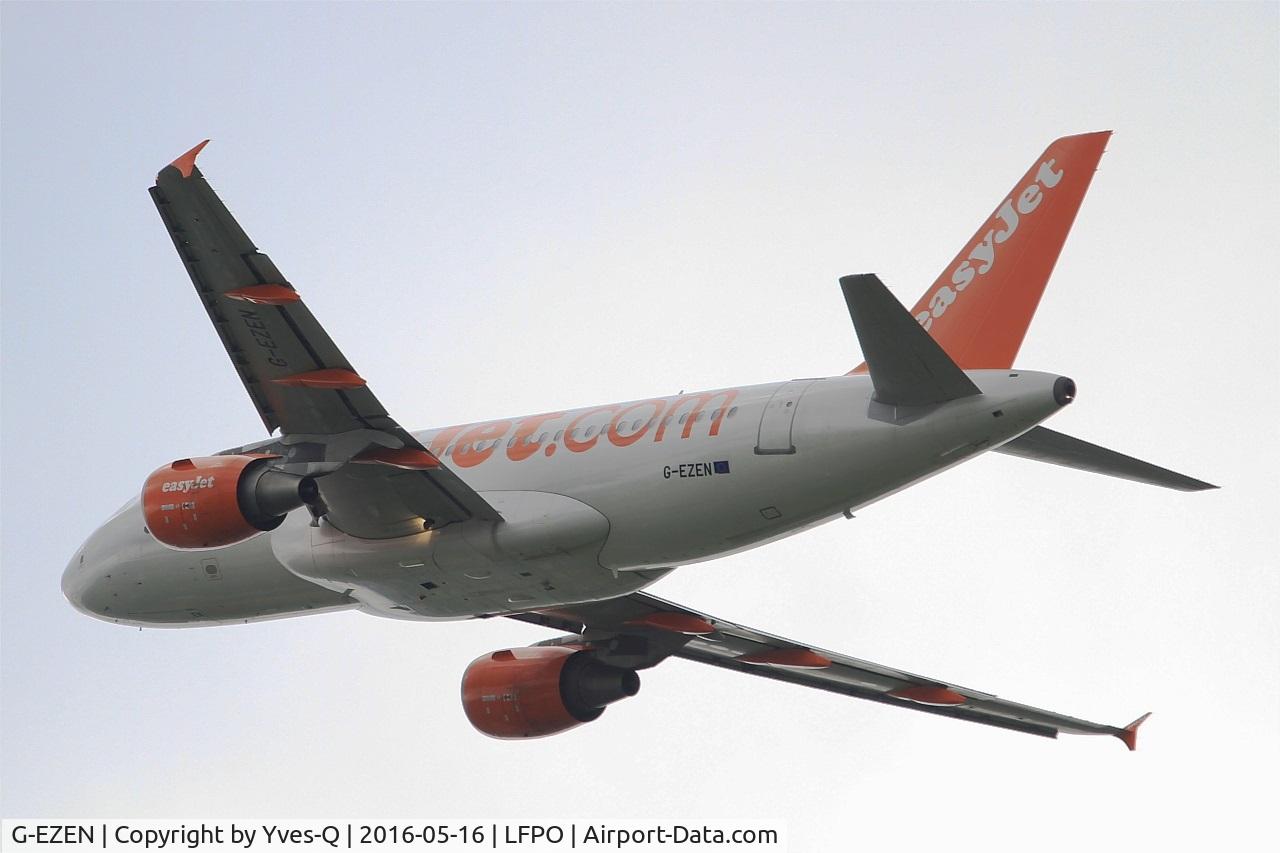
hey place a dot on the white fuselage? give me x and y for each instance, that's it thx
(596, 503)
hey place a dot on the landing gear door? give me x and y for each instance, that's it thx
(779, 414)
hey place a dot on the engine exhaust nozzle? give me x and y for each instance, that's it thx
(1064, 391)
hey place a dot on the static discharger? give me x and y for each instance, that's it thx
(335, 377)
(264, 294)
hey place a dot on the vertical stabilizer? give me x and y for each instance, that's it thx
(981, 305)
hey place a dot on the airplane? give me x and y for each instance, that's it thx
(563, 518)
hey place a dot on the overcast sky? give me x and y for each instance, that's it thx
(515, 208)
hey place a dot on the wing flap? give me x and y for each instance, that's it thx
(830, 684)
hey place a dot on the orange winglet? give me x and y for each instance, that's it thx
(679, 623)
(335, 378)
(790, 658)
(928, 695)
(187, 162)
(1129, 735)
(406, 457)
(264, 294)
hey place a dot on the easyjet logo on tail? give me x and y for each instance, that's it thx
(982, 257)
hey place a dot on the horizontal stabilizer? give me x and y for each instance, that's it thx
(1045, 445)
(907, 367)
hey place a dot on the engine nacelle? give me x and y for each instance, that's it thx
(209, 501)
(540, 690)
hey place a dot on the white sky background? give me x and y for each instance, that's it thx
(508, 209)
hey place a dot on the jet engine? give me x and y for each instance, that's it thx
(541, 690)
(210, 501)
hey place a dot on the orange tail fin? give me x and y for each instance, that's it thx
(981, 305)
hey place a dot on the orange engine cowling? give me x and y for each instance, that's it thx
(541, 690)
(210, 501)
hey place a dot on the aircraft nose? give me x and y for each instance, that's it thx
(85, 587)
(73, 576)
(91, 581)
(81, 584)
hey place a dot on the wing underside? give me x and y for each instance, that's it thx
(640, 630)
(300, 382)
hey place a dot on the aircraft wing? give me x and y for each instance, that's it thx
(298, 379)
(640, 630)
